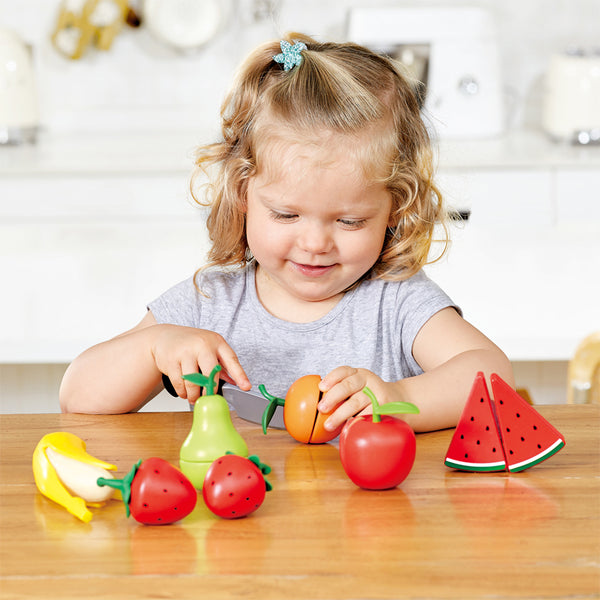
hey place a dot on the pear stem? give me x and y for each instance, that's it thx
(203, 381)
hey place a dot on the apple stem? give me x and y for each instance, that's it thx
(390, 408)
(374, 404)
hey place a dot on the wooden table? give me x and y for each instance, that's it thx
(442, 533)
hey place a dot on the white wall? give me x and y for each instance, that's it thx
(140, 85)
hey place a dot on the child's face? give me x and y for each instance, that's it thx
(314, 226)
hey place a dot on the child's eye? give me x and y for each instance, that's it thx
(279, 216)
(352, 223)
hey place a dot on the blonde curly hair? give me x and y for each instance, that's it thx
(342, 88)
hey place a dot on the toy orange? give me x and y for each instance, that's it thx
(301, 417)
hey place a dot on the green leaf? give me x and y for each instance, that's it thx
(263, 468)
(268, 414)
(197, 379)
(396, 408)
(123, 485)
(269, 411)
(391, 408)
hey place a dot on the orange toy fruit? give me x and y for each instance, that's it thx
(301, 417)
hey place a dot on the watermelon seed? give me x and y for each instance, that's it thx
(229, 474)
(535, 427)
(478, 442)
(230, 494)
(165, 491)
(522, 439)
(540, 446)
(518, 416)
(487, 427)
(472, 418)
(462, 437)
(481, 400)
(145, 505)
(508, 430)
(493, 449)
(501, 401)
(247, 499)
(466, 455)
(511, 452)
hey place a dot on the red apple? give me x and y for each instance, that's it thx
(378, 451)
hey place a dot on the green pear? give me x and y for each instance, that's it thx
(212, 434)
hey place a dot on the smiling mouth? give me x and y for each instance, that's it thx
(312, 270)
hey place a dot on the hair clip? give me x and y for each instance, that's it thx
(290, 55)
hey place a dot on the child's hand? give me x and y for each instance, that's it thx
(343, 388)
(179, 350)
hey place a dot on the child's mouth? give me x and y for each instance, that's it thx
(312, 270)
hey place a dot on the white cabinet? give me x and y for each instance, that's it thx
(525, 267)
(80, 256)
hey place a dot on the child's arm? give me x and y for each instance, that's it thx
(450, 352)
(122, 374)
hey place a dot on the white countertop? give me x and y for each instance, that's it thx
(138, 153)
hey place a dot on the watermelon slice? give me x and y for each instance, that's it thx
(527, 437)
(476, 445)
(507, 433)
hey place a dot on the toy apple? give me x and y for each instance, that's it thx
(301, 417)
(378, 451)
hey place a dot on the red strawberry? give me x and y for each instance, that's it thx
(155, 492)
(234, 486)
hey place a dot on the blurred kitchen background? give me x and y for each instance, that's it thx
(102, 103)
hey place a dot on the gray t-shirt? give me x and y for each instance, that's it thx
(373, 326)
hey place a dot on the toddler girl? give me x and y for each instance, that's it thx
(322, 212)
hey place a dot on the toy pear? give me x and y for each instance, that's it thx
(212, 434)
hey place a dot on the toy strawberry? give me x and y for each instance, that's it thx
(235, 486)
(155, 492)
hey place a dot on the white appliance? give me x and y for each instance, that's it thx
(453, 51)
(19, 117)
(571, 111)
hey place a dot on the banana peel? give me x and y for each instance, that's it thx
(62, 451)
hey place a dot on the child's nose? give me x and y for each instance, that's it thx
(315, 239)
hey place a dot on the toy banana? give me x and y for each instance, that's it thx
(66, 473)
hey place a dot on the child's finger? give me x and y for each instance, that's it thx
(342, 390)
(336, 376)
(192, 391)
(351, 407)
(233, 369)
(175, 377)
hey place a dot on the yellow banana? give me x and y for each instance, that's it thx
(66, 473)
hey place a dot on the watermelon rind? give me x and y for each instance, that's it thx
(538, 458)
(472, 466)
